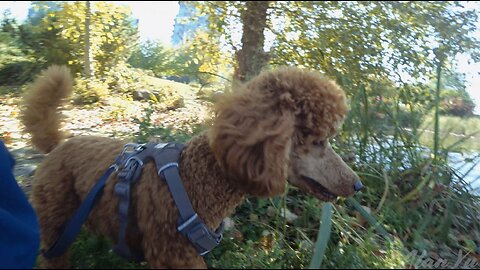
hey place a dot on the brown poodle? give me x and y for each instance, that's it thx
(273, 128)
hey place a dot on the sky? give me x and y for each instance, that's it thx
(156, 20)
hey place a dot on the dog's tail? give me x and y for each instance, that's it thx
(40, 114)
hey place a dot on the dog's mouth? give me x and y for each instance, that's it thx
(317, 189)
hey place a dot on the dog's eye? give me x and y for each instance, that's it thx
(319, 143)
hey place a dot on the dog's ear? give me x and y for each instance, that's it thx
(251, 138)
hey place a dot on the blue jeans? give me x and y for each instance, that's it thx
(19, 229)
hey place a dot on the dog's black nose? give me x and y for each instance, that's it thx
(358, 186)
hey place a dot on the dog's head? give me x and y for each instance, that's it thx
(277, 127)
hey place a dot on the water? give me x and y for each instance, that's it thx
(466, 166)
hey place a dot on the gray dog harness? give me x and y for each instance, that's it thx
(166, 158)
(131, 162)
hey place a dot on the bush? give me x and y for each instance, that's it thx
(120, 107)
(409, 119)
(18, 73)
(457, 103)
(125, 79)
(88, 91)
(169, 98)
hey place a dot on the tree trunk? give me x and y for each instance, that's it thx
(88, 61)
(251, 58)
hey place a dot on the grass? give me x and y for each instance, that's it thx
(323, 236)
(418, 197)
(90, 252)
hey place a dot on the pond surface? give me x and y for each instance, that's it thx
(465, 165)
(468, 167)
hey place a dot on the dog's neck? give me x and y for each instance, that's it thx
(212, 194)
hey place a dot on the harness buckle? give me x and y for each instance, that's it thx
(199, 235)
(131, 169)
(132, 147)
(129, 150)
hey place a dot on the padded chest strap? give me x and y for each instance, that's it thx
(166, 157)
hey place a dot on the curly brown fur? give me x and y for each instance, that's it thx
(40, 114)
(262, 135)
(256, 126)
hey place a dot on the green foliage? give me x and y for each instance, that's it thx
(148, 131)
(118, 35)
(124, 79)
(38, 34)
(199, 59)
(156, 57)
(18, 73)
(165, 95)
(366, 41)
(90, 252)
(170, 99)
(356, 38)
(208, 57)
(164, 62)
(9, 50)
(369, 253)
(262, 239)
(57, 34)
(268, 252)
(16, 63)
(13, 90)
(54, 33)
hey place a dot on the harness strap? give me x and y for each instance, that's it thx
(129, 175)
(72, 228)
(75, 223)
(169, 173)
(189, 224)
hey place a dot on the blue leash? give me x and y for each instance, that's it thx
(72, 228)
